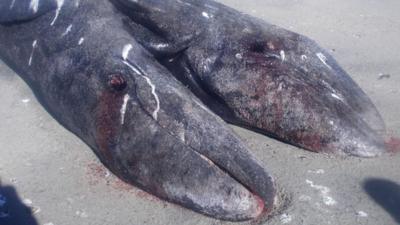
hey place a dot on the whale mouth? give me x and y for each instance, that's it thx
(207, 169)
(225, 197)
(200, 184)
(248, 201)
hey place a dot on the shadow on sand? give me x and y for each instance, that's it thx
(386, 193)
(12, 210)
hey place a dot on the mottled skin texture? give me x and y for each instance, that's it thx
(115, 74)
(146, 127)
(258, 75)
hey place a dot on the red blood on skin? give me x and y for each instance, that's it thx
(108, 124)
(117, 82)
(261, 206)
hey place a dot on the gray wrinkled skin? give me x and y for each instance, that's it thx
(146, 127)
(258, 75)
(115, 72)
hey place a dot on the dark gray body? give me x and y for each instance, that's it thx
(258, 75)
(98, 82)
(114, 73)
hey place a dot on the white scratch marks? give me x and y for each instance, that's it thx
(304, 57)
(34, 6)
(283, 55)
(132, 68)
(123, 107)
(12, 4)
(125, 53)
(323, 59)
(337, 97)
(324, 192)
(34, 45)
(81, 41)
(153, 91)
(206, 15)
(69, 28)
(60, 4)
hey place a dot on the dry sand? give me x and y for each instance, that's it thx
(61, 179)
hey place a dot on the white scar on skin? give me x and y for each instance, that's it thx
(12, 4)
(324, 191)
(161, 45)
(205, 14)
(337, 97)
(123, 108)
(323, 59)
(283, 55)
(34, 44)
(153, 91)
(60, 4)
(69, 28)
(34, 5)
(125, 53)
(81, 41)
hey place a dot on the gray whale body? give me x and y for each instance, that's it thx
(149, 86)
(258, 75)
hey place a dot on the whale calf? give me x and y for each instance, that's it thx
(258, 75)
(96, 80)
(150, 84)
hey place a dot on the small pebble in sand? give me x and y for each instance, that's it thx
(27, 202)
(81, 214)
(319, 171)
(13, 180)
(383, 76)
(35, 210)
(26, 100)
(362, 214)
(286, 218)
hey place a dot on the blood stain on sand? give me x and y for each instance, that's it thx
(98, 173)
(393, 144)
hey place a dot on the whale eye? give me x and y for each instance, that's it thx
(117, 82)
(257, 47)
